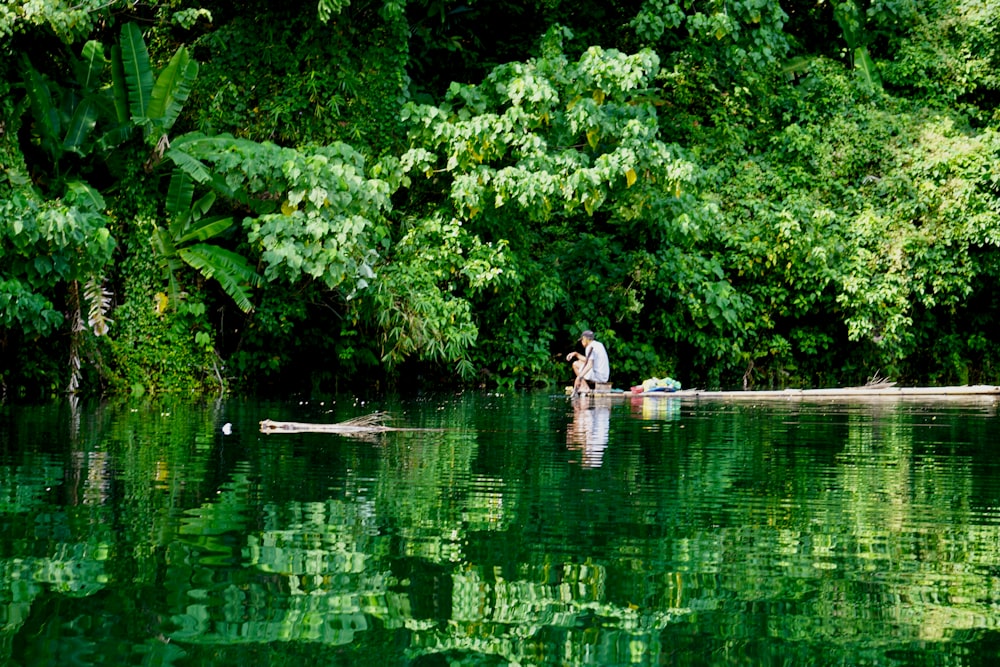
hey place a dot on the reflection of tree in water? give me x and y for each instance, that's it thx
(589, 430)
(838, 531)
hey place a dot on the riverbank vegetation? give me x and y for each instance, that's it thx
(273, 199)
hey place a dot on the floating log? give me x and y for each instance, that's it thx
(363, 425)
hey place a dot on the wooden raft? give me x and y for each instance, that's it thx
(845, 393)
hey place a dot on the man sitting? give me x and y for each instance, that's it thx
(592, 366)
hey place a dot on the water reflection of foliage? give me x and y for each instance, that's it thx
(525, 620)
(46, 548)
(324, 574)
(428, 518)
(433, 541)
(66, 530)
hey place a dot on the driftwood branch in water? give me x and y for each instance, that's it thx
(363, 425)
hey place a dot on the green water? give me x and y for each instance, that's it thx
(513, 530)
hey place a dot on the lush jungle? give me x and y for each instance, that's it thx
(264, 197)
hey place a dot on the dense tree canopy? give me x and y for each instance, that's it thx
(266, 197)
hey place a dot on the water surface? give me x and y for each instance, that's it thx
(522, 529)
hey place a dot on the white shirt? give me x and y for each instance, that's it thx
(600, 369)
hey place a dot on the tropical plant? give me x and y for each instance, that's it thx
(850, 18)
(77, 122)
(315, 214)
(563, 162)
(182, 241)
(45, 245)
(154, 104)
(65, 115)
(67, 21)
(88, 116)
(703, 182)
(421, 300)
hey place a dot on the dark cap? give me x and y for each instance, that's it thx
(587, 334)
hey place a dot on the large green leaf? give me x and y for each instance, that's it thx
(228, 268)
(183, 151)
(863, 63)
(204, 203)
(205, 229)
(231, 270)
(191, 165)
(168, 259)
(81, 125)
(172, 88)
(138, 73)
(46, 114)
(119, 87)
(91, 67)
(81, 191)
(180, 193)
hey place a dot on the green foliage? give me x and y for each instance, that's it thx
(280, 75)
(748, 32)
(328, 8)
(157, 349)
(854, 228)
(849, 17)
(68, 21)
(183, 241)
(80, 117)
(44, 244)
(916, 247)
(66, 117)
(543, 155)
(421, 304)
(318, 215)
(187, 18)
(88, 116)
(589, 135)
(740, 192)
(154, 103)
(944, 51)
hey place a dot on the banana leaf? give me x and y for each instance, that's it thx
(864, 64)
(180, 193)
(119, 88)
(46, 114)
(191, 165)
(205, 229)
(138, 72)
(229, 269)
(81, 125)
(91, 67)
(182, 153)
(171, 90)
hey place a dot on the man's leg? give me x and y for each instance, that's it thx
(579, 384)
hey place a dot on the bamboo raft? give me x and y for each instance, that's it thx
(884, 390)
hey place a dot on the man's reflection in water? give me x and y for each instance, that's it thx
(589, 430)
